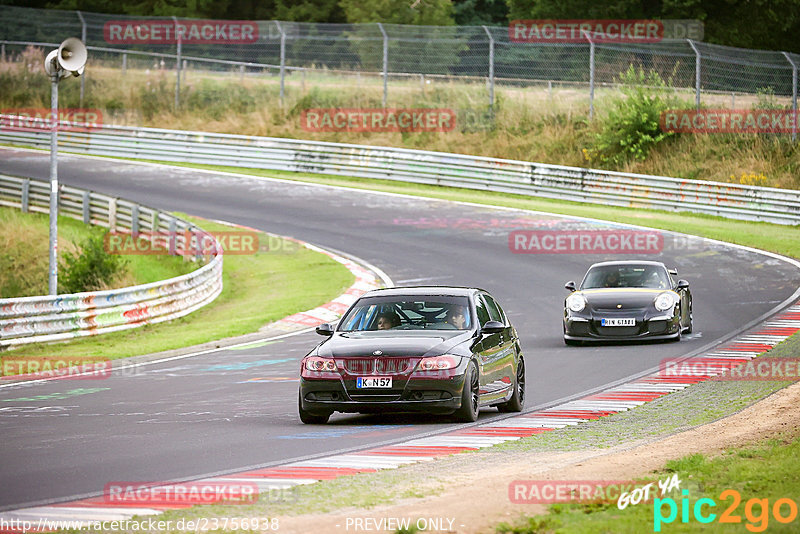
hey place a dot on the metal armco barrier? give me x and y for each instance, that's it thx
(732, 201)
(51, 318)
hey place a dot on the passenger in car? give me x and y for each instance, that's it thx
(388, 320)
(457, 316)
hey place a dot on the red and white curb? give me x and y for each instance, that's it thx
(614, 400)
(367, 279)
(331, 311)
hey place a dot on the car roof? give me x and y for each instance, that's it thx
(420, 291)
(628, 262)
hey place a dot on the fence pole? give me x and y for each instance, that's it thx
(283, 60)
(491, 68)
(135, 221)
(83, 40)
(696, 74)
(591, 74)
(26, 195)
(177, 65)
(385, 64)
(124, 64)
(86, 207)
(172, 237)
(3, 52)
(794, 95)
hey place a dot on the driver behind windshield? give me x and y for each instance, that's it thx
(612, 279)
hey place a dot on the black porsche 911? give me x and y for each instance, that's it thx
(627, 300)
(439, 350)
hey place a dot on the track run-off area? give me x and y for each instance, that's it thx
(234, 409)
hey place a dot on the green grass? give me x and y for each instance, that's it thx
(258, 289)
(766, 236)
(24, 257)
(766, 470)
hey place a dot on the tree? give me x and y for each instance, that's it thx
(480, 12)
(764, 24)
(583, 9)
(310, 11)
(421, 12)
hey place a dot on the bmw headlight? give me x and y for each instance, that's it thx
(576, 302)
(664, 301)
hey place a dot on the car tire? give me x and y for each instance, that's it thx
(517, 401)
(308, 417)
(468, 413)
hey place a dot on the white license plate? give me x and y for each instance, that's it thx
(618, 322)
(373, 382)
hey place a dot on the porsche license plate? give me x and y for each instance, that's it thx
(618, 322)
(374, 382)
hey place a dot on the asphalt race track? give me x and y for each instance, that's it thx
(235, 409)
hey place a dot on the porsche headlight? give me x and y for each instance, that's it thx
(576, 302)
(664, 301)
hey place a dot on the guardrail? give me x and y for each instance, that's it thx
(733, 201)
(51, 318)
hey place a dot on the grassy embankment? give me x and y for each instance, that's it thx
(24, 261)
(531, 124)
(761, 475)
(281, 279)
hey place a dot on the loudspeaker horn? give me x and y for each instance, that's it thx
(49, 63)
(72, 56)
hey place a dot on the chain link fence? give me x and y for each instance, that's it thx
(398, 59)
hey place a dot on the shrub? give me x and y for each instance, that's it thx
(91, 269)
(632, 126)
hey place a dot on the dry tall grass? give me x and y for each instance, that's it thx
(535, 123)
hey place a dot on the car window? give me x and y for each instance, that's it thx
(480, 308)
(408, 312)
(495, 314)
(627, 275)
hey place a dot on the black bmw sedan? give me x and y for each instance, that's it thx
(439, 350)
(627, 300)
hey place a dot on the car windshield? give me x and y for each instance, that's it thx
(405, 312)
(645, 276)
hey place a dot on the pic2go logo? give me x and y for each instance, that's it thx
(756, 511)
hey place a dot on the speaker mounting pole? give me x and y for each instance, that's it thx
(52, 280)
(69, 58)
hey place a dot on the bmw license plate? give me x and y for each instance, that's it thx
(374, 382)
(618, 322)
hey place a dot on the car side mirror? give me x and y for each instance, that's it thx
(683, 284)
(325, 329)
(570, 285)
(493, 327)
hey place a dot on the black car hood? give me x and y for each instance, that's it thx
(628, 297)
(403, 343)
